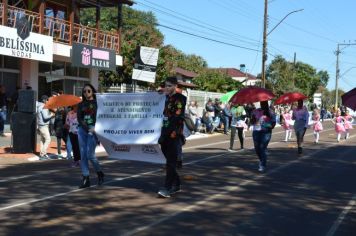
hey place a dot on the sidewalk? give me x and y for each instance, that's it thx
(7, 157)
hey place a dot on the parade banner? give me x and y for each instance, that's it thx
(129, 125)
(147, 153)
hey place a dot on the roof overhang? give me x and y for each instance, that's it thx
(102, 3)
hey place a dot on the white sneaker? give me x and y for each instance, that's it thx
(261, 168)
(230, 150)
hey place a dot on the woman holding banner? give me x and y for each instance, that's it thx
(171, 135)
(86, 135)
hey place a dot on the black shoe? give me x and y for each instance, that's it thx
(300, 150)
(85, 182)
(179, 164)
(175, 189)
(100, 177)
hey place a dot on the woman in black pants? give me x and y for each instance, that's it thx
(237, 123)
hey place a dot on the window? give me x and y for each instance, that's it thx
(11, 62)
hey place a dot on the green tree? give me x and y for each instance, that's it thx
(216, 81)
(328, 98)
(284, 76)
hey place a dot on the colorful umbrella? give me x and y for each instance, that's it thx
(251, 94)
(349, 99)
(290, 98)
(63, 100)
(226, 97)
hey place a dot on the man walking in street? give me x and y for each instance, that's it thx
(43, 118)
(171, 135)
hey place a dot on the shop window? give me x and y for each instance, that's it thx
(11, 63)
(44, 68)
(84, 72)
(71, 70)
(57, 68)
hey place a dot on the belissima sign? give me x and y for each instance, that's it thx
(91, 57)
(19, 42)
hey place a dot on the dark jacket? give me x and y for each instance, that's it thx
(86, 114)
(173, 113)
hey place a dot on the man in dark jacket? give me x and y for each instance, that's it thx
(171, 135)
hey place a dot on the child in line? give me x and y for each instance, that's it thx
(287, 124)
(339, 121)
(317, 126)
(348, 124)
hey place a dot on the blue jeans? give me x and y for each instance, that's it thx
(87, 144)
(197, 123)
(260, 141)
(226, 124)
(2, 120)
(69, 147)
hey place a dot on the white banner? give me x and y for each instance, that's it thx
(146, 153)
(34, 46)
(129, 125)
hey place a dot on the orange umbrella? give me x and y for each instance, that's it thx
(63, 100)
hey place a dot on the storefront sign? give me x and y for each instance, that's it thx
(19, 42)
(145, 64)
(91, 57)
(129, 125)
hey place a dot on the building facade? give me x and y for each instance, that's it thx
(37, 40)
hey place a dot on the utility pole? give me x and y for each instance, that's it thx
(294, 62)
(264, 45)
(265, 34)
(338, 51)
(337, 77)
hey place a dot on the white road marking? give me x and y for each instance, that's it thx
(228, 189)
(342, 216)
(154, 171)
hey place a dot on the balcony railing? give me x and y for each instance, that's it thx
(60, 29)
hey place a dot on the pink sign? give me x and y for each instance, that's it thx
(99, 54)
(86, 56)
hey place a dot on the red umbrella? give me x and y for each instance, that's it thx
(290, 98)
(349, 99)
(251, 94)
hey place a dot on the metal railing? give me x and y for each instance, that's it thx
(60, 29)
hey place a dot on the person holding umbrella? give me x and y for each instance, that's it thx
(263, 120)
(301, 118)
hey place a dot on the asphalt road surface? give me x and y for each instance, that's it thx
(223, 193)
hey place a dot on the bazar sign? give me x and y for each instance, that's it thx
(91, 57)
(13, 42)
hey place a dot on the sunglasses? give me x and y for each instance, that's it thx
(87, 90)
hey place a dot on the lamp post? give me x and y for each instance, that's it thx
(265, 34)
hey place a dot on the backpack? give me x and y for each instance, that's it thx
(189, 123)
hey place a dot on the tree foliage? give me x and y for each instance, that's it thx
(283, 76)
(139, 29)
(213, 80)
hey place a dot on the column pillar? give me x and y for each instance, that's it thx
(29, 73)
(94, 78)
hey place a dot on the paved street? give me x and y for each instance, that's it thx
(223, 194)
